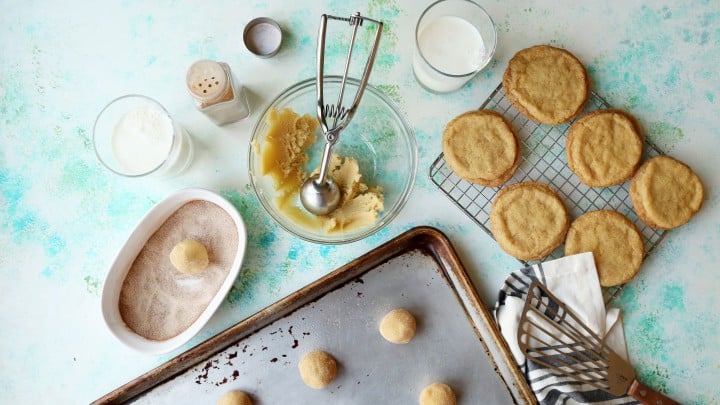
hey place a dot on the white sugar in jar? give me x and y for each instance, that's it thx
(135, 136)
(142, 139)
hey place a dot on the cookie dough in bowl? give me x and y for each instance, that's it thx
(375, 160)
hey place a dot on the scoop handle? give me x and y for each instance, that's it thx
(648, 396)
(325, 163)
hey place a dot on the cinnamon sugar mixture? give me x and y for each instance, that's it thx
(157, 301)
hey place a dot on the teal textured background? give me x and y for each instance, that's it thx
(63, 217)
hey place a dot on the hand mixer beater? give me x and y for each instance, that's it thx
(320, 195)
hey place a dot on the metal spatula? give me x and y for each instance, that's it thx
(551, 335)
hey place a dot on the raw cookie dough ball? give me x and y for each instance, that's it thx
(317, 369)
(189, 257)
(398, 326)
(235, 397)
(437, 393)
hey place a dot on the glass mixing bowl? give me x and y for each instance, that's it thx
(378, 137)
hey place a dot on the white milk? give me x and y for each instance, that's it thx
(142, 140)
(451, 45)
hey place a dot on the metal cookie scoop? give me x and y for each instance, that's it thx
(319, 194)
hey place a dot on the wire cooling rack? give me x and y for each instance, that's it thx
(543, 158)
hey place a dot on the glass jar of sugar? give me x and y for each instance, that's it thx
(215, 93)
(134, 136)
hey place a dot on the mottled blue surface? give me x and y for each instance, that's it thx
(63, 218)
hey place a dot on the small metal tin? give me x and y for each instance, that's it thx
(263, 36)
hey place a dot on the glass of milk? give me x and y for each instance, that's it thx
(454, 40)
(134, 136)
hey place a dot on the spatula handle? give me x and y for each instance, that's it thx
(647, 395)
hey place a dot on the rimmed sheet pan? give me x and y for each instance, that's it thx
(457, 341)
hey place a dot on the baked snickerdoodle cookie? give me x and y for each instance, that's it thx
(548, 84)
(481, 147)
(604, 147)
(528, 220)
(614, 241)
(665, 192)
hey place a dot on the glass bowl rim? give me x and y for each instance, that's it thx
(407, 187)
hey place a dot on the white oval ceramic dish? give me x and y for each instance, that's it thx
(124, 260)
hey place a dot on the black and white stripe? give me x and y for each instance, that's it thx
(549, 387)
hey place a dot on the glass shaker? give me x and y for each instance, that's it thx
(215, 93)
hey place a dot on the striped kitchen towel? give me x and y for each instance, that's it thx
(573, 280)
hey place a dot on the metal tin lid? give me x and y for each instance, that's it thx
(262, 36)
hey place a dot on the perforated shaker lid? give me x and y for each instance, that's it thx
(206, 80)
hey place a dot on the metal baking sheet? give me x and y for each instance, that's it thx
(456, 342)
